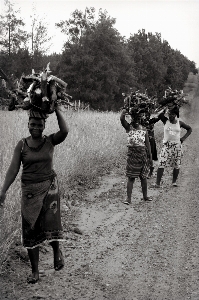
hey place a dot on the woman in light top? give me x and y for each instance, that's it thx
(138, 156)
(171, 152)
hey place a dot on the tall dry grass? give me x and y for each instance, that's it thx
(96, 142)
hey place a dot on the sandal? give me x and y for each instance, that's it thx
(148, 199)
(59, 264)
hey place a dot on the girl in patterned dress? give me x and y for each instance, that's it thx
(137, 159)
(171, 152)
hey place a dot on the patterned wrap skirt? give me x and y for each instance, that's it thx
(137, 162)
(171, 155)
(41, 218)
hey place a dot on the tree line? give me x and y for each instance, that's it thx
(96, 61)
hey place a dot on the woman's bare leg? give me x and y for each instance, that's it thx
(144, 187)
(55, 246)
(160, 172)
(130, 183)
(175, 175)
(58, 257)
(34, 260)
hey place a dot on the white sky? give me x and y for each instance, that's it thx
(176, 20)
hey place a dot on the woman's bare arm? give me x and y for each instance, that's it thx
(12, 171)
(124, 123)
(60, 136)
(147, 143)
(189, 131)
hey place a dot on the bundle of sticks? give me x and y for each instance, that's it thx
(171, 99)
(40, 91)
(136, 103)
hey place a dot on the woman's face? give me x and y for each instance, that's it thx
(172, 116)
(36, 127)
(137, 120)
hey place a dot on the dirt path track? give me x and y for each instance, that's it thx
(146, 251)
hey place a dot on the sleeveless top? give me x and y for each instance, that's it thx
(136, 137)
(172, 132)
(37, 162)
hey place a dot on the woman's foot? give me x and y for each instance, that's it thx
(33, 278)
(127, 202)
(59, 263)
(147, 198)
(174, 184)
(155, 185)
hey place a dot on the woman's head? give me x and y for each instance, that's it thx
(36, 123)
(173, 113)
(137, 119)
(36, 127)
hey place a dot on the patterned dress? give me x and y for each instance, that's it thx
(40, 204)
(171, 152)
(137, 160)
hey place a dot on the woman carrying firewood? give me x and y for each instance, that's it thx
(137, 156)
(171, 152)
(40, 203)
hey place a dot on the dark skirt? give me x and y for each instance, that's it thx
(153, 148)
(137, 162)
(41, 219)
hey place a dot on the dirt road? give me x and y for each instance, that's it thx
(139, 252)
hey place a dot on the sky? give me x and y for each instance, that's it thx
(176, 20)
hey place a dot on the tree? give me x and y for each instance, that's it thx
(96, 65)
(145, 51)
(79, 22)
(39, 36)
(13, 37)
(40, 41)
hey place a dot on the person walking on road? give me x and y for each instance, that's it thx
(40, 203)
(137, 156)
(171, 152)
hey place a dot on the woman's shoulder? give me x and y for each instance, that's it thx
(19, 146)
(49, 138)
(143, 128)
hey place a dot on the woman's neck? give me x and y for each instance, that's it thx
(173, 121)
(38, 139)
(138, 127)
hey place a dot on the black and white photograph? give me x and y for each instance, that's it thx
(99, 163)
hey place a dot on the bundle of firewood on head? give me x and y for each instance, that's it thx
(172, 99)
(41, 92)
(137, 103)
